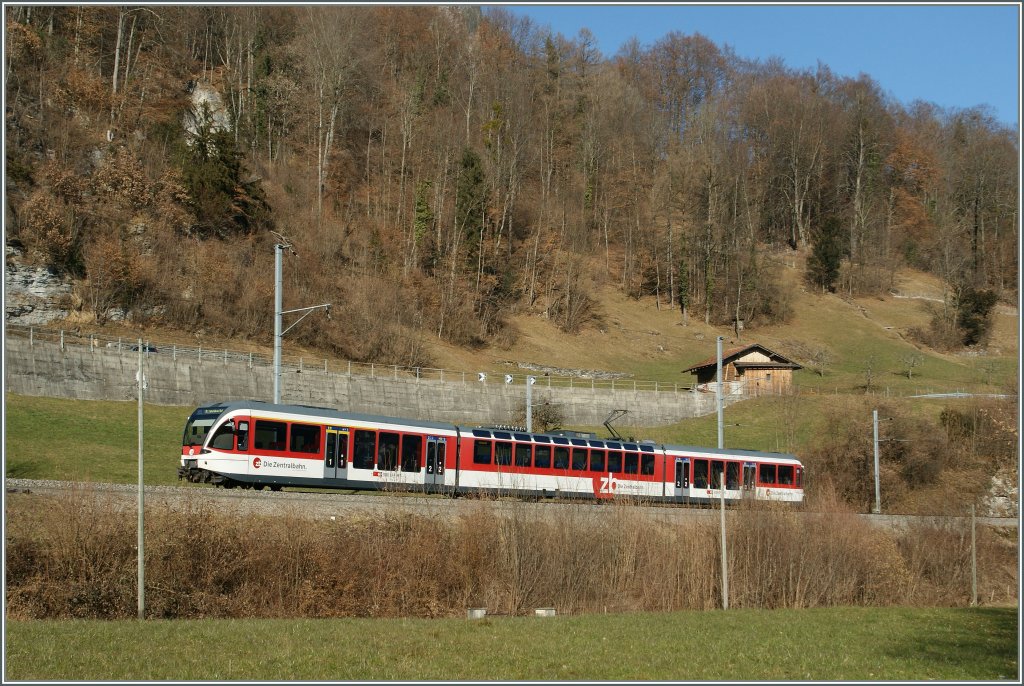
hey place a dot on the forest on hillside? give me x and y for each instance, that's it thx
(437, 169)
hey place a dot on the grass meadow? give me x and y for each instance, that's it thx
(856, 644)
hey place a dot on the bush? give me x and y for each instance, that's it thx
(75, 557)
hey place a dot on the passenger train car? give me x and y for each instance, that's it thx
(253, 444)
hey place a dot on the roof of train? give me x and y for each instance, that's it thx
(730, 451)
(311, 411)
(330, 412)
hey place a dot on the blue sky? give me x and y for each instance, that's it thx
(956, 56)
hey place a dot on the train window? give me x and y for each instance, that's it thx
(412, 453)
(243, 436)
(614, 446)
(578, 441)
(362, 451)
(387, 452)
(579, 459)
(700, 473)
(632, 463)
(503, 434)
(440, 457)
(561, 458)
(767, 474)
(481, 452)
(332, 449)
(799, 476)
(615, 461)
(503, 453)
(542, 439)
(521, 437)
(480, 433)
(542, 458)
(522, 455)
(732, 475)
(224, 439)
(647, 464)
(717, 467)
(597, 460)
(270, 435)
(305, 438)
(786, 474)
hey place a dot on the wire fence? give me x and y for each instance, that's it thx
(96, 342)
(305, 364)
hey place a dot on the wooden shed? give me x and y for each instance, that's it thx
(751, 370)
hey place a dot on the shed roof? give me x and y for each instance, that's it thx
(777, 361)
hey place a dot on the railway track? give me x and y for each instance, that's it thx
(321, 505)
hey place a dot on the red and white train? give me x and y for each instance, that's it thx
(253, 444)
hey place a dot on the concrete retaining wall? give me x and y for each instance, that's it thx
(43, 368)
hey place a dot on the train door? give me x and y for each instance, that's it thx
(435, 461)
(749, 470)
(336, 453)
(682, 477)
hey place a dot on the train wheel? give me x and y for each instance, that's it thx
(257, 487)
(275, 487)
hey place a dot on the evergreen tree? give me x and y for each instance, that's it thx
(974, 317)
(826, 255)
(470, 200)
(212, 170)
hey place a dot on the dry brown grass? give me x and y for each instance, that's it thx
(77, 559)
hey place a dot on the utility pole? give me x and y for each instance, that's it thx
(141, 542)
(529, 403)
(721, 444)
(878, 487)
(725, 557)
(721, 435)
(279, 248)
(974, 561)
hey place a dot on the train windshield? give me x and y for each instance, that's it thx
(198, 425)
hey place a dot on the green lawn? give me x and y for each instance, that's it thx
(91, 440)
(865, 644)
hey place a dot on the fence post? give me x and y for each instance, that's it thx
(350, 367)
(174, 352)
(441, 371)
(31, 343)
(371, 370)
(655, 386)
(225, 355)
(325, 365)
(396, 372)
(250, 360)
(300, 365)
(200, 354)
(62, 340)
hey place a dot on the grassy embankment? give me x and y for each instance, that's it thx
(821, 644)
